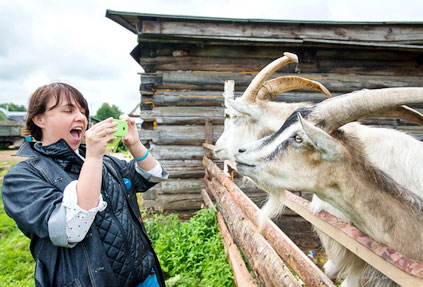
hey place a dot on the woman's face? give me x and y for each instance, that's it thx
(66, 121)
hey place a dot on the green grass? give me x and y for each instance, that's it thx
(16, 262)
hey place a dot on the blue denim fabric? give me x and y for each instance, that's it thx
(150, 281)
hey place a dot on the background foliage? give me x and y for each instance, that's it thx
(106, 111)
(13, 107)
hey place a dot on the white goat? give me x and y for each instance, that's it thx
(252, 117)
(333, 164)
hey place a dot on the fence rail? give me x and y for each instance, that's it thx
(399, 268)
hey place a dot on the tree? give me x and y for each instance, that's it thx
(106, 111)
(13, 108)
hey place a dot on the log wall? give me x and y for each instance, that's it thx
(187, 59)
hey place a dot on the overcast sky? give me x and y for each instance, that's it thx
(72, 41)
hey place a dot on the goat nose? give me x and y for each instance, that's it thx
(241, 150)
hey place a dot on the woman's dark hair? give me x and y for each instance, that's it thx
(39, 99)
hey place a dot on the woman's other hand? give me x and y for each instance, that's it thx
(98, 136)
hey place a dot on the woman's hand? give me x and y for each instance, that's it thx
(132, 139)
(135, 146)
(98, 136)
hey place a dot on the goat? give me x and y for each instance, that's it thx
(314, 155)
(252, 117)
(247, 120)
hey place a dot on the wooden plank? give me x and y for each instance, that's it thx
(179, 186)
(164, 98)
(174, 152)
(175, 202)
(253, 245)
(298, 261)
(309, 54)
(329, 31)
(208, 202)
(334, 82)
(178, 135)
(342, 66)
(187, 98)
(402, 270)
(177, 115)
(182, 111)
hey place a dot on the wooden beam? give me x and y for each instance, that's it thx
(321, 65)
(209, 146)
(209, 135)
(402, 270)
(178, 135)
(299, 262)
(242, 277)
(337, 83)
(176, 152)
(283, 30)
(268, 267)
(208, 203)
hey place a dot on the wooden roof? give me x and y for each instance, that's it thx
(386, 35)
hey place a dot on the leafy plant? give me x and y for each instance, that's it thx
(191, 253)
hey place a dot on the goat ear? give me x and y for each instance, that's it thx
(331, 149)
(241, 107)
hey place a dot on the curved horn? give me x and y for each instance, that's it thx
(336, 112)
(251, 92)
(401, 112)
(273, 88)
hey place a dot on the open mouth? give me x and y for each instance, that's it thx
(240, 163)
(76, 133)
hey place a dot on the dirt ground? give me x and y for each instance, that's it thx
(6, 155)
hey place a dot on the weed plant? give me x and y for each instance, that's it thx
(191, 253)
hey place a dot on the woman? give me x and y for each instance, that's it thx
(77, 205)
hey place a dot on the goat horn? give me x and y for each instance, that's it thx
(251, 92)
(401, 112)
(273, 88)
(336, 112)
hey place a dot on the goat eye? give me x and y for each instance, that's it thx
(298, 139)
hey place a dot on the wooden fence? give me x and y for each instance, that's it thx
(270, 251)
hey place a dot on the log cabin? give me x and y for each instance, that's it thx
(186, 59)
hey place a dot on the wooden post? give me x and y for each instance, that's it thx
(242, 277)
(262, 258)
(299, 262)
(228, 94)
(206, 198)
(209, 135)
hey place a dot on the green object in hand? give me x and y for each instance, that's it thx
(122, 128)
